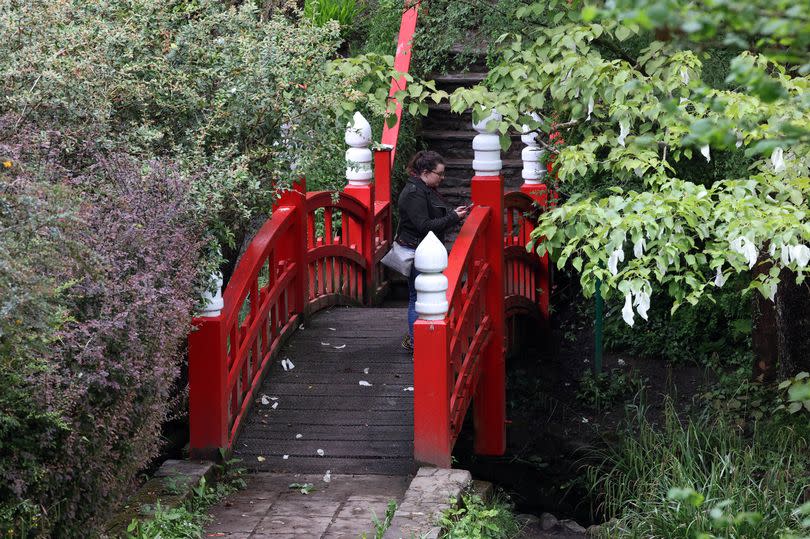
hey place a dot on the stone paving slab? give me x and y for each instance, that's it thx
(342, 508)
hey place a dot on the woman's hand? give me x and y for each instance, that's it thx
(462, 211)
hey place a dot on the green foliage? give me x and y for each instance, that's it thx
(719, 327)
(381, 525)
(600, 391)
(795, 394)
(736, 475)
(322, 11)
(633, 111)
(475, 519)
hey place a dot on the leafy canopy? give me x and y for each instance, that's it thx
(622, 82)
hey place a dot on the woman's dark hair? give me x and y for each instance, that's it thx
(424, 161)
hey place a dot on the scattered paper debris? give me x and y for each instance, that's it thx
(364, 383)
(327, 476)
(341, 347)
(319, 452)
(301, 327)
(621, 362)
(273, 398)
(332, 329)
(584, 419)
(265, 400)
(299, 436)
(409, 388)
(324, 343)
(287, 364)
(275, 405)
(365, 371)
(261, 459)
(285, 457)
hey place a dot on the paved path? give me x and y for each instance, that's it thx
(347, 406)
(342, 508)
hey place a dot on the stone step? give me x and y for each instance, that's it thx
(450, 81)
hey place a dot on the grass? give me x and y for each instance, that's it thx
(653, 478)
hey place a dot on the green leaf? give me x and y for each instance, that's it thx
(623, 33)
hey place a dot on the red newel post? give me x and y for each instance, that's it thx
(207, 379)
(359, 175)
(489, 405)
(294, 244)
(382, 174)
(432, 378)
(534, 186)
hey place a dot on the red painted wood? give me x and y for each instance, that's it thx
(402, 62)
(207, 373)
(364, 230)
(540, 195)
(432, 382)
(489, 405)
(382, 173)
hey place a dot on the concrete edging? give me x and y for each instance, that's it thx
(431, 492)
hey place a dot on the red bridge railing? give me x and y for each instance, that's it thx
(317, 250)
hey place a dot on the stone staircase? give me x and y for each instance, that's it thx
(452, 134)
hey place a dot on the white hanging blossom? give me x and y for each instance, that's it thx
(642, 303)
(684, 75)
(772, 292)
(785, 255)
(627, 310)
(719, 278)
(739, 139)
(706, 152)
(624, 130)
(745, 247)
(800, 254)
(590, 108)
(777, 160)
(638, 248)
(614, 259)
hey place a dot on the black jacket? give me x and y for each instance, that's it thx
(422, 210)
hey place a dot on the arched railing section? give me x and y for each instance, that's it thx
(316, 250)
(524, 282)
(336, 267)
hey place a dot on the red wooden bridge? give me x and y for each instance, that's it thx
(301, 369)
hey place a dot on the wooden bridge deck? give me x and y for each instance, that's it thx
(321, 405)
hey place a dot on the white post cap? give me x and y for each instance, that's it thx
(358, 157)
(532, 156)
(213, 302)
(487, 147)
(431, 284)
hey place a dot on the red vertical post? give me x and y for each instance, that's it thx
(431, 393)
(295, 243)
(382, 174)
(489, 405)
(365, 231)
(540, 195)
(207, 379)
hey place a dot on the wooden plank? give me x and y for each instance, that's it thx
(327, 432)
(331, 448)
(319, 465)
(358, 403)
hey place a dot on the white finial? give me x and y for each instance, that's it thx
(533, 169)
(431, 285)
(358, 156)
(487, 147)
(213, 302)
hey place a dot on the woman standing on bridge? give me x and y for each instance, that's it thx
(423, 210)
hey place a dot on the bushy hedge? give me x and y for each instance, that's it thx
(99, 254)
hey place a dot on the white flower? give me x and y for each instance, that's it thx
(590, 108)
(785, 256)
(777, 160)
(739, 139)
(642, 304)
(627, 310)
(772, 291)
(624, 130)
(638, 247)
(800, 254)
(719, 278)
(706, 152)
(684, 75)
(745, 247)
(614, 259)
(772, 249)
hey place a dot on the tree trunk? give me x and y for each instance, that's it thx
(781, 329)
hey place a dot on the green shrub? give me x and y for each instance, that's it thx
(474, 518)
(322, 11)
(764, 473)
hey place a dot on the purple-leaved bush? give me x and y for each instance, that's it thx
(129, 294)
